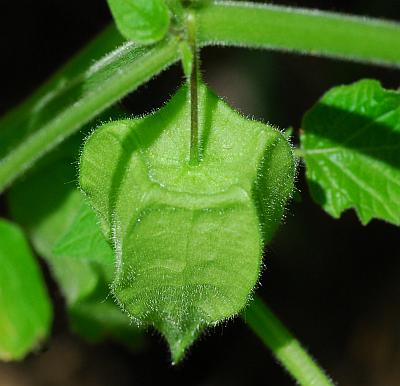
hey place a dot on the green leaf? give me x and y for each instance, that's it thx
(188, 238)
(47, 213)
(351, 146)
(25, 309)
(142, 21)
(95, 315)
(51, 210)
(96, 319)
(85, 241)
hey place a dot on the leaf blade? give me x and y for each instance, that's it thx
(351, 146)
(51, 211)
(25, 308)
(142, 21)
(84, 240)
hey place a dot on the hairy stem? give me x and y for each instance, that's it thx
(287, 350)
(300, 30)
(193, 82)
(225, 23)
(103, 43)
(114, 84)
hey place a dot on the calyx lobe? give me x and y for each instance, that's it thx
(188, 239)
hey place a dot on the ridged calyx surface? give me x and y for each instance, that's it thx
(188, 238)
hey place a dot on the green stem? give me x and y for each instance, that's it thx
(193, 83)
(306, 31)
(25, 136)
(284, 346)
(113, 85)
(106, 41)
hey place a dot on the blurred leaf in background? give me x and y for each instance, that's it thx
(25, 308)
(53, 207)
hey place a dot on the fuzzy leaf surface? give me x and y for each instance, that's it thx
(188, 239)
(142, 21)
(25, 309)
(351, 145)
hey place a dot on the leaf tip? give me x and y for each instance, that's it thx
(179, 338)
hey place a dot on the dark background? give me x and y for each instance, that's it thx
(333, 282)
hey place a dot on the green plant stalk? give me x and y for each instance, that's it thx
(103, 43)
(287, 350)
(193, 83)
(223, 23)
(300, 30)
(71, 119)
